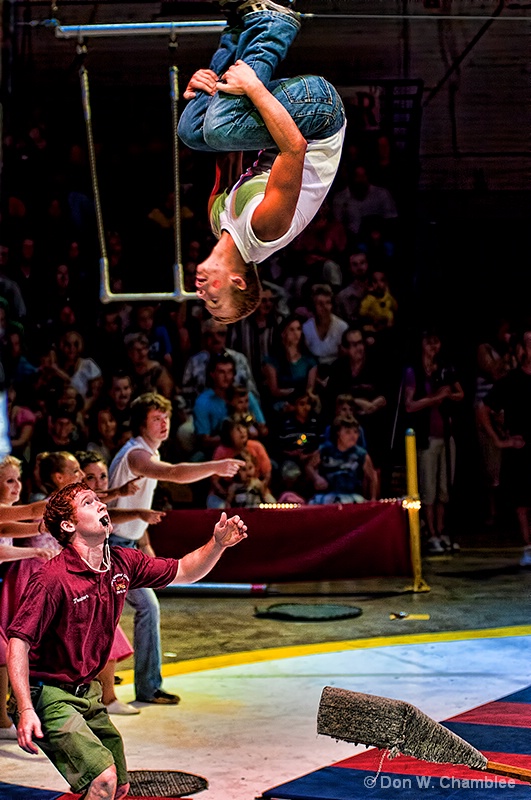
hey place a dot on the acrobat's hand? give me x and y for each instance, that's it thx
(204, 80)
(240, 78)
(230, 531)
(29, 726)
(227, 467)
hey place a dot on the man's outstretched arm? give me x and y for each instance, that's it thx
(143, 464)
(272, 218)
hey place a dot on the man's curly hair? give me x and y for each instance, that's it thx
(60, 508)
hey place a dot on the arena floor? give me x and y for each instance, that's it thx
(250, 687)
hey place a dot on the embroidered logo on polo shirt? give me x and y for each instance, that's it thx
(120, 583)
(80, 599)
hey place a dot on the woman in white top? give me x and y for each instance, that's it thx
(323, 332)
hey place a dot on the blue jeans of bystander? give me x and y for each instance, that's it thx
(146, 637)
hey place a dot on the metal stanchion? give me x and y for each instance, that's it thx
(412, 504)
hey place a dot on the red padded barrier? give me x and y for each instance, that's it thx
(305, 543)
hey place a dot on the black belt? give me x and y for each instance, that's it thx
(77, 689)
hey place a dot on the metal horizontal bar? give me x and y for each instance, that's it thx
(179, 293)
(213, 26)
(138, 29)
(157, 297)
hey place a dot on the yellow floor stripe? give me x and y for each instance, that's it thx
(273, 653)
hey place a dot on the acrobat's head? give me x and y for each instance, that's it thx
(230, 292)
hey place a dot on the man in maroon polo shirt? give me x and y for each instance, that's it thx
(61, 637)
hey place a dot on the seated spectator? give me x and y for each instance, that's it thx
(293, 484)
(246, 490)
(349, 299)
(212, 405)
(50, 379)
(16, 362)
(70, 400)
(374, 241)
(234, 440)
(118, 399)
(378, 309)
(22, 422)
(147, 374)
(361, 198)
(80, 372)
(290, 366)
(254, 336)
(341, 470)
(239, 411)
(183, 331)
(195, 376)
(57, 432)
(353, 373)
(143, 321)
(102, 436)
(320, 247)
(28, 274)
(345, 406)
(107, 341)
(299, 432)
(323, 332)
(60, 293)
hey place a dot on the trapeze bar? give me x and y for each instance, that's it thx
(213, 26)
(138, 29)
(178, 295)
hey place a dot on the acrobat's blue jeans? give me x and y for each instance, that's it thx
(223, 122)
(146, 636)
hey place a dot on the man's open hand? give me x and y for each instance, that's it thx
(230, 530)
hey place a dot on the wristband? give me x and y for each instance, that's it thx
(29, 708)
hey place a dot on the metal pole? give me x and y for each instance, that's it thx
(412, 504)
(138, 29)
(214, 26)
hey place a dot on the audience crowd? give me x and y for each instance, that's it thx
(313, 391)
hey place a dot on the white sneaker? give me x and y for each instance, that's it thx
(525, 561)
(8, 733)
(122, 708)
(434, 546)
(448, 544)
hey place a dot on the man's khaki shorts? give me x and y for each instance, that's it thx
(79, 737)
